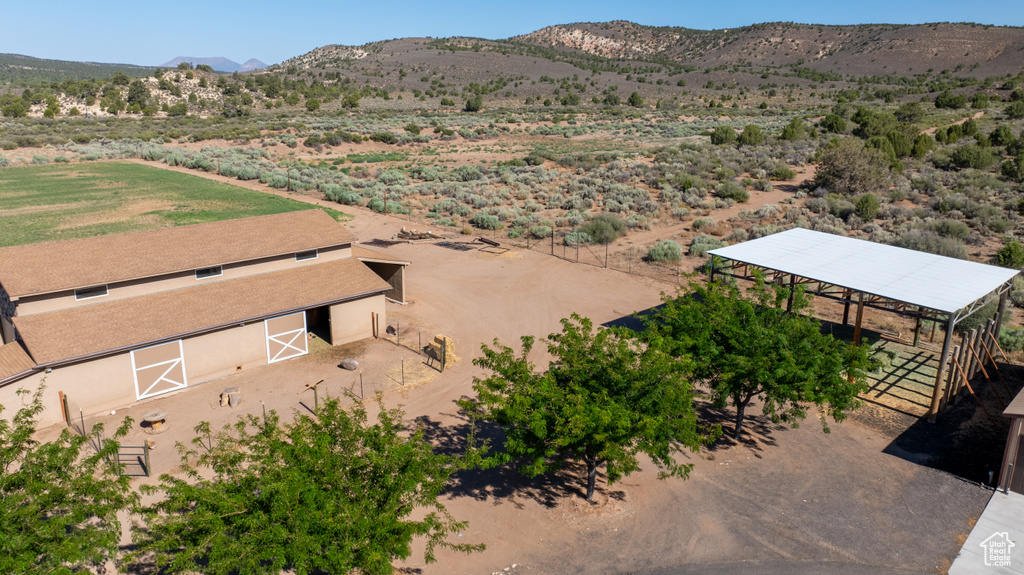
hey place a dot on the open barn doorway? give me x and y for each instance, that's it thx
(318, 322)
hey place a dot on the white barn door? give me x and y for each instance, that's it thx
(286, 337)
(158, 369)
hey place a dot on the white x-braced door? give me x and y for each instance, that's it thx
(286, 337)
(158, 369)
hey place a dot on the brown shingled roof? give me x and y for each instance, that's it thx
(14, 361)
(365, 254)
(55, 266)
(96, 329)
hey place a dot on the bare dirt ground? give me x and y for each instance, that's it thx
(782, 500)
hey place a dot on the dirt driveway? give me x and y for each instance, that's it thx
(786, 497)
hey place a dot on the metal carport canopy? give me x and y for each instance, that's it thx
(934, 282)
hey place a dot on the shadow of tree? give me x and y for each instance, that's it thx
(502, 483)
(758, 430)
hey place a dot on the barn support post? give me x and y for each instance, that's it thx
(1010, 453)
(943, 358)
(860, 317)
(711, 270)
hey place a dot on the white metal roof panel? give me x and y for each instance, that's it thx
(918, 278)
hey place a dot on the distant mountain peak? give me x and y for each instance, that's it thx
(220, 64)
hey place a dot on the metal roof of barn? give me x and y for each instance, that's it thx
(931, 281)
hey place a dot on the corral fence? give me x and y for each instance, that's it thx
(621, 255)
(132, 460)
(975, 354)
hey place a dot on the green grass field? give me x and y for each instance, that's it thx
(56, 202)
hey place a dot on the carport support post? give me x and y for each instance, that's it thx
(860, 315)
(999, 316)
(937, 391)
(792, 286)
(917, 328)
(847, 294)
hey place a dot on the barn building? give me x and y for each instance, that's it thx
(116, 319)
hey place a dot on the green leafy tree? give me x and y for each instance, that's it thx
(723, 135)
(1015, 110)
(635, 100)
(866, 207)
(15, 110)
(834, 123)
(312, 104)
(474, 104)
(138, 93)
(846, 166)
(910, 113)
(328, 493)
(752, 135)
(794, 130)
(1011, 255)
(58, 500)
(949, 100)
(747, 346)
(604, 399)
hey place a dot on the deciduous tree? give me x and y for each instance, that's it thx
(58, 500)
(748, 346)
(604, 398)
(328, 493)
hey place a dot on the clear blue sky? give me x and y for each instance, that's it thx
(150, 33)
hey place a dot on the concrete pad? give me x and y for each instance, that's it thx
(1002, 525)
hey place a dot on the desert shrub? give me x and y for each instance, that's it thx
(1016, 292)
(866, 207)
(485, 221)
(972, 156)
(950, 100)
(795, 130)
(834, 123)
(723, 135)
(61, 159)
(768, 211)
(979, 318)
(540, 231)
(931, 242)
(1013, 169)
(665, 251)
(1011, 255)
(950, 229)
(847, 166)
(703, 224)
(392, 177)
(37, 159)
(782, 172)
(468, 173)
(703, 243)
(1001, 136)
(572, 238)
(738, 235)
(384, 137)
(751, 136)
(923, 144)
(1016, 110)
(730, 190)
(604, 228)
(1011, 338)
(4, 162)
